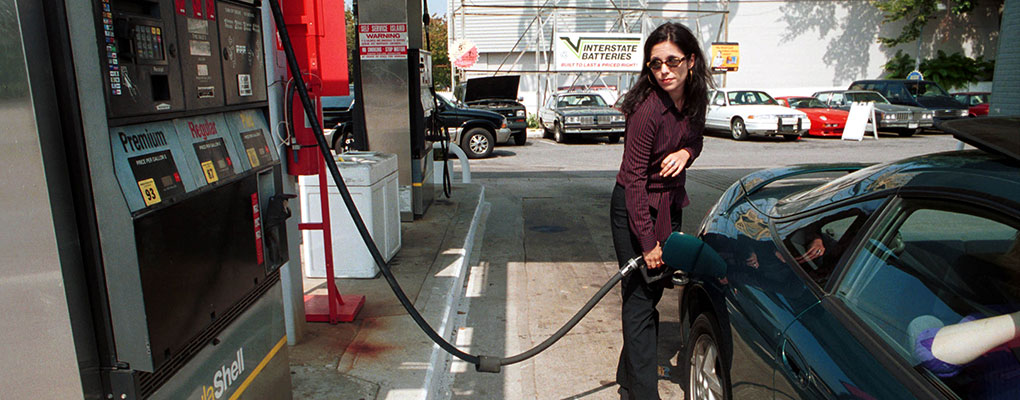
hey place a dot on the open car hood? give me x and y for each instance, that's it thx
(494, 87)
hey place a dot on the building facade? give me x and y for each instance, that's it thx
(786, 47)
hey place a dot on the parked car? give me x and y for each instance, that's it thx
(499, 94)
(753, 112)
(977, 102)
(924, 94)
(825, 121)
(903, 120)
(586, 114)
(838, 277)
(475, 131)
(337, 117)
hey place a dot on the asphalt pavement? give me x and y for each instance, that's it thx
(503, 263)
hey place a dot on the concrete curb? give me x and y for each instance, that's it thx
(440, 359)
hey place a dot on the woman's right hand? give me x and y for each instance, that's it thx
(653, 257)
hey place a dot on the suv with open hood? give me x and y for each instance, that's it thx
(498, 94)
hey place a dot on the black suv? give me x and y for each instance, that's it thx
(499, 94)
(337, 114)
(925, 94)
(475, 131)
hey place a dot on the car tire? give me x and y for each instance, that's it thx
(737, 129)
(558, 133)
(907, 132)
(704, 372)
(614, 139)
(790, 138)
(545, 131)
(521, 137)
(477, 143)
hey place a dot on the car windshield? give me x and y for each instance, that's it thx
(805, 102)
(447, 102)
(866, 97)
(581, 100)
(750, 97)
(926, 89)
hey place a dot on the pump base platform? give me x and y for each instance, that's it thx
(317, 308)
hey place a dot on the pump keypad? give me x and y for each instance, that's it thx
(148, 43)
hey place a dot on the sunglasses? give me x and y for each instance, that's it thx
(671, 62)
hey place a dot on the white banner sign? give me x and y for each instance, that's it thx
(862, 116)
(602, 52)
(383, 41)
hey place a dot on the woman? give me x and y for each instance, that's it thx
(665, 118)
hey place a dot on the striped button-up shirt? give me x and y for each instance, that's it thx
(654, 130)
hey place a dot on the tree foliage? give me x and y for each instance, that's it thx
(949, 71)
(916, 14)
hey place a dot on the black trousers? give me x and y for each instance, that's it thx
(637, 372)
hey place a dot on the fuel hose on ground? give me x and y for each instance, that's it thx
(482, 363)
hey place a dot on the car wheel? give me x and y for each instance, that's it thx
(545, 131)
(706, 375)
(344, 142)
(477, 143)
(790, 138)
(907, 132)
(558, 133)
(521, 137)
(737, 129)
(614, 139)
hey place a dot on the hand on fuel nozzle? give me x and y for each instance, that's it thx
(653, 257)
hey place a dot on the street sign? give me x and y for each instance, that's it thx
(915, 76)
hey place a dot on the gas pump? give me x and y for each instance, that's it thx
(177, 189)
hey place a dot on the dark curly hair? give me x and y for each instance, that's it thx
(695, 89)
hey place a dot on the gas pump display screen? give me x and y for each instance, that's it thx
(213, 158)
(157, 176)
(256, 148)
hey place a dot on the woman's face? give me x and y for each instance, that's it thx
(671, 79)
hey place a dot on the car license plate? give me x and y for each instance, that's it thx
(912, 125)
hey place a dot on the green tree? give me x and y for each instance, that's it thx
(440, 54)
(352, 52)
(916, 14)
(949, 71)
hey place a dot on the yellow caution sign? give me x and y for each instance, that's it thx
(149, 192)
(210, 172)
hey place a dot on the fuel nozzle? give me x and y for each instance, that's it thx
(681, 253)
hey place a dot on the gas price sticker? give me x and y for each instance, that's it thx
(209, 169)
(149, 192)
(253, 157)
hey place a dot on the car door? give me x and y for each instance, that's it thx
(927, 262)
(547, 114)
(714, 117)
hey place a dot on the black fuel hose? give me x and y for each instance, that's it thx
(482, 363)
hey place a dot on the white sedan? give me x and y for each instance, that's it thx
(753, 112)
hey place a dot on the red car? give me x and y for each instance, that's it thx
(977, 102)
(824, 121)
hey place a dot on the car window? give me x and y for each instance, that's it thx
(818, 242)
(962, 98)
(823, 97)
(838, 99)
(931, 265)
(867, 97)
(720, 99)
(806, 102)
(897, 92)
(926, 89)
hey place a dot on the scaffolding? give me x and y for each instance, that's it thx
(637, 16)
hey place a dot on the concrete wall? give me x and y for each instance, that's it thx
(1006, 87)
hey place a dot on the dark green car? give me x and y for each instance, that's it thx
(838, 276)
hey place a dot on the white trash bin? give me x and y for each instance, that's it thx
(371, 177)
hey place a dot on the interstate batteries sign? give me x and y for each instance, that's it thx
(603, 52)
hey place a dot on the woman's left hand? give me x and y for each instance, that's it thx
(674, 163)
